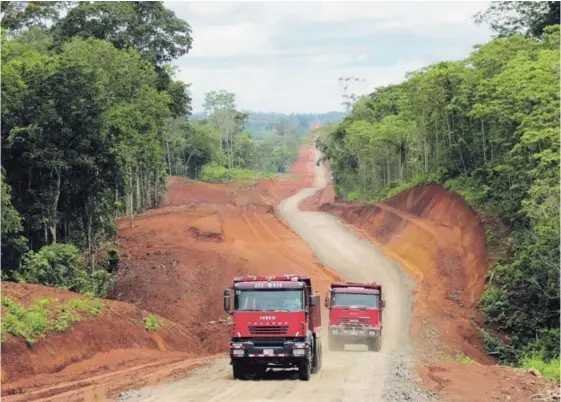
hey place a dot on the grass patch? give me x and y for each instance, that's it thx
(152, 322)
(464, 359)
(550, 369)
(45, 315)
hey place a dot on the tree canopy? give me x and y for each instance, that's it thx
(93, 122)
(488, 128)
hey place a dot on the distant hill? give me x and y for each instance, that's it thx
(260, 123)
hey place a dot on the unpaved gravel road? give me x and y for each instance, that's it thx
(352, 375)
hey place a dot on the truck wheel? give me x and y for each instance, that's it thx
(238, 370)
(316, 365)
(375, 345)
(305, 369)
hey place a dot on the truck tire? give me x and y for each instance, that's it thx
(238, 370)
(316, 364)
(305, 369)
(375, 345)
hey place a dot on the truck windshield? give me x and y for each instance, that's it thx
(269, 300)
(355, 300)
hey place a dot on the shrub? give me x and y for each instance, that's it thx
(44, 315)
(549, 369)
(213, 173)
(57, 265)
(61, 266)
(152, 322)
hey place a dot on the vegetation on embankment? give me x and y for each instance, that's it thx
(486, 127)
(46, 329)
(93, 121)
(45, 315)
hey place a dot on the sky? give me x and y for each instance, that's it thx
(287, 57)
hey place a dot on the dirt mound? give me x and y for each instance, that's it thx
(118, 334)
(441, 242)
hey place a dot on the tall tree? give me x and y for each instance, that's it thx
(147, 26)
(526, 17)
(220, 107)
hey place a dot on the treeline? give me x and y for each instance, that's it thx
(261, 124)
(488, 128)
(93, 122)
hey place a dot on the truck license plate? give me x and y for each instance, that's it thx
(268, 352)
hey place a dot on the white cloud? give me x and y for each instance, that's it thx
(308, 88)
(262, 52)
(230, 40)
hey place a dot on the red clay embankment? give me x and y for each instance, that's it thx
(441, 243)
(115, 338)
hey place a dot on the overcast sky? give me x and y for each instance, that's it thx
(287, 56)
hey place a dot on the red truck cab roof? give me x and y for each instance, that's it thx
(356, 290)
(274, 278)
(350, 287)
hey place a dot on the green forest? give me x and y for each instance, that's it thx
(486, 127)
(93, 121)
(261, 124)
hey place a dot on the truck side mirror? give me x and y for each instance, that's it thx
(227, 301)
(313, 300)
(326, 301)
(383, 303)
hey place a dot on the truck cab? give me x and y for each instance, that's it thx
(355, 315)
(275, 324)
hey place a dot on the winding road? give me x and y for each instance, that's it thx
(352, 375)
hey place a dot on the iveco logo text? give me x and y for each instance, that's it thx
(267, 317)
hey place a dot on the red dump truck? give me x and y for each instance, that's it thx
(355, 315)
(275, 324)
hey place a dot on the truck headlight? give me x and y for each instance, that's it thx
(299, 352)
(238, 352)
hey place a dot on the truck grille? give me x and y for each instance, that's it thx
(268, 342)
(268, 329)
(354, 321)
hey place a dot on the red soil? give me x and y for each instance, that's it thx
(84, 350)
(175, 262)
(455, 381)
(440, 241)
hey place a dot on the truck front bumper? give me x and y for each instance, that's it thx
(286, 354)
(354, 332)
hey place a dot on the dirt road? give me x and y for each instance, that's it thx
(353, 375)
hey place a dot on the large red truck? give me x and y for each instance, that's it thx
(355, 315)
(276, 323)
